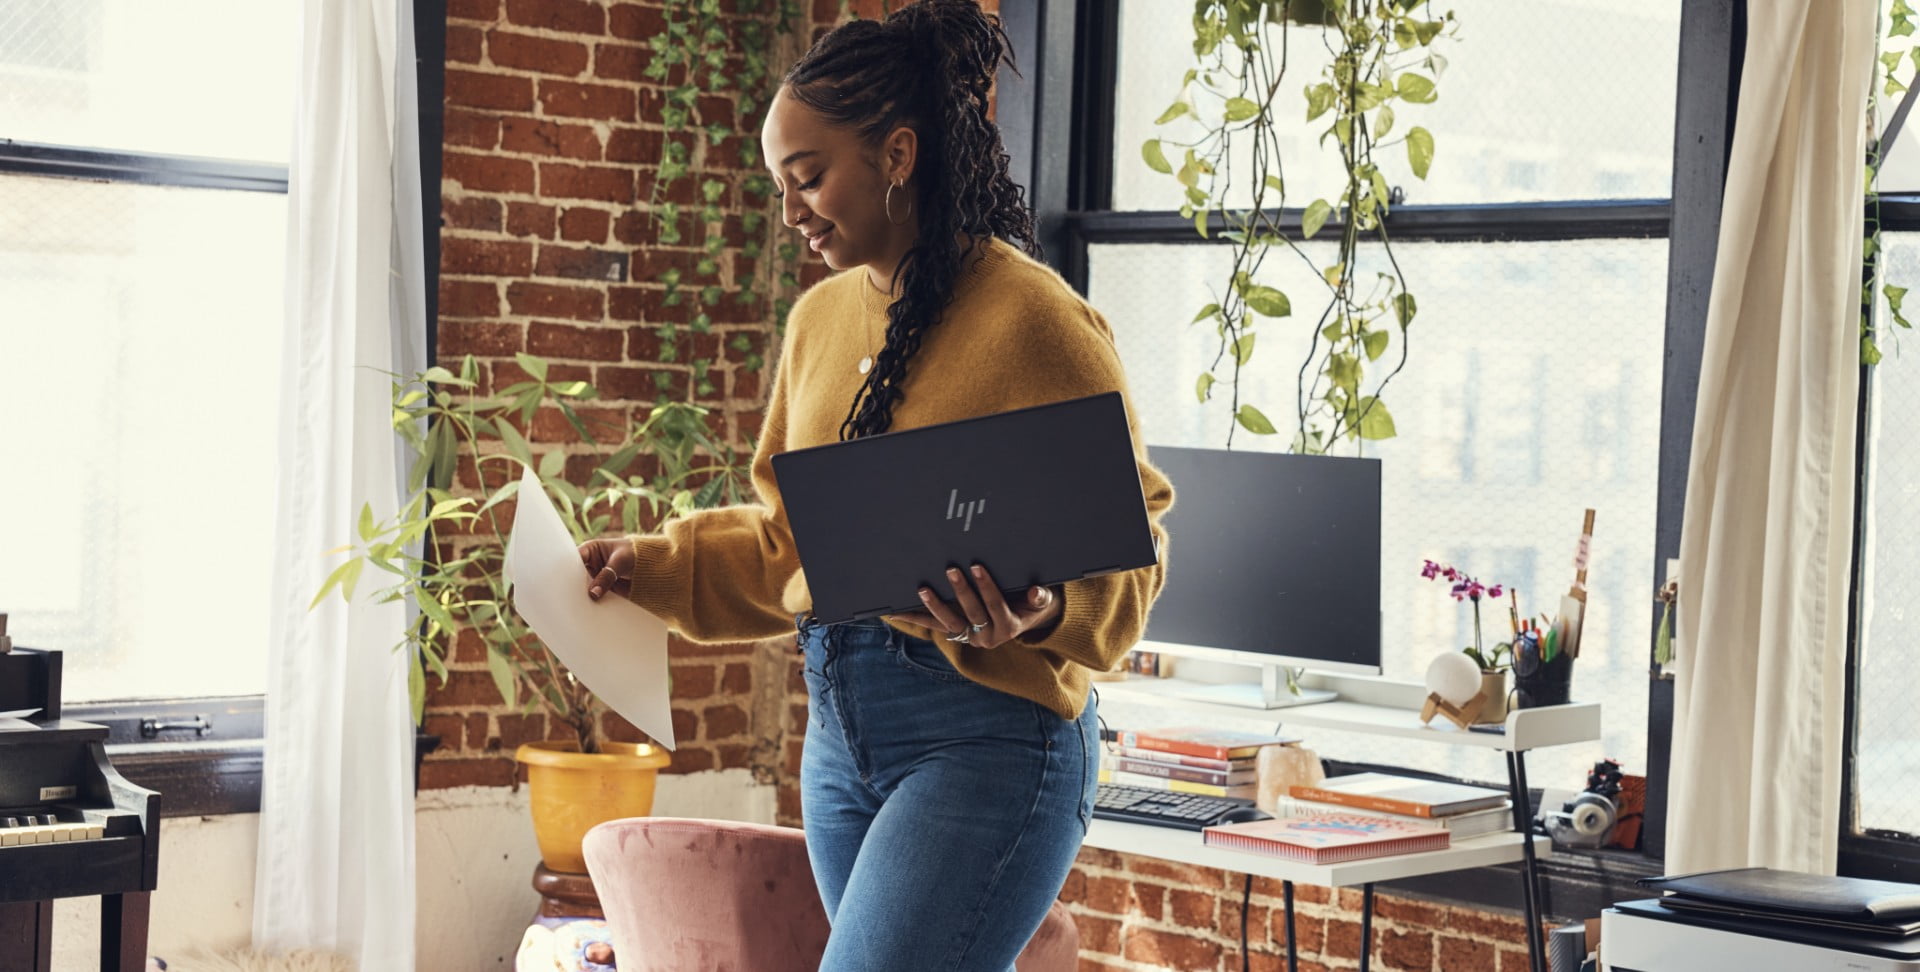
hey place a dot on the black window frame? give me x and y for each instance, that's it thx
(1057, 119)
(156, 743)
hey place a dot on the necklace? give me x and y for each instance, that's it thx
(867, 295)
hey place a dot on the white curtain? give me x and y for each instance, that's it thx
(336, 863)
(1765, 543)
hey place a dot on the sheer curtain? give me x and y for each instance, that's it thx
(1764, 547)
(336, 862)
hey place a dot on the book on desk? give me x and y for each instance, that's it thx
(1328, 838)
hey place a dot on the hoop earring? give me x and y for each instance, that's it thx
(887, 204)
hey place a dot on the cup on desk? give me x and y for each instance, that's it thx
(1536, 682)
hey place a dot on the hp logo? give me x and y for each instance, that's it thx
(957, 509)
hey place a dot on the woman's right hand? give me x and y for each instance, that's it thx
(609, 566)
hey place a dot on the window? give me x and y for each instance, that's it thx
(142, 200)
(1534, 384)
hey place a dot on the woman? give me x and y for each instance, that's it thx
(949, 770)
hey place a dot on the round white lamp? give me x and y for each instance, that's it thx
(1453, 689)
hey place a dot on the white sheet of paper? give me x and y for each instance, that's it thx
(16, 720)
(612, 645)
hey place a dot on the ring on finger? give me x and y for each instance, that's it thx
(982, 626)
(961, 638)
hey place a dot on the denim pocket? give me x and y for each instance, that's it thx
(1089, 768)
(922, 658)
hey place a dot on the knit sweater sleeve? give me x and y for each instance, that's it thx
(719, 575)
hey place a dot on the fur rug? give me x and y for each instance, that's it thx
(248, 960)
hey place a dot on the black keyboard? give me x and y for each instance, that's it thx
(1165, 808)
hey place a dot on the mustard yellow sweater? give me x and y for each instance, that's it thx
(1014, 335)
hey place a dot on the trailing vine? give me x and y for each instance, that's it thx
(1382, 55)
(1900, 24)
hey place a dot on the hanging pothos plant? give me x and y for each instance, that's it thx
(1900, 23)
(1381, 58)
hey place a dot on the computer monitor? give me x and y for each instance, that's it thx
(1272, 560)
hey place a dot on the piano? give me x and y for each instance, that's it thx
(70, 825)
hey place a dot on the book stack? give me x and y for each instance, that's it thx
(1187, 759)
(1462, 810)
(1328, 838)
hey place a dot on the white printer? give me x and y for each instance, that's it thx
(1646, 936)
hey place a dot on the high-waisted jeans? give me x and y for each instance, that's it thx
(942, 816)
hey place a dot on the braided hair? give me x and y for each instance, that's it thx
(928, 66)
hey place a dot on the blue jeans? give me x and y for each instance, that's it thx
(942, 816)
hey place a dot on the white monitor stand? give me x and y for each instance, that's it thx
(1270, 693)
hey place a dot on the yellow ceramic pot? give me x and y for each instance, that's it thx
(571, 791)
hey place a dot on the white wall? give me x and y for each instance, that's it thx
(475, 853)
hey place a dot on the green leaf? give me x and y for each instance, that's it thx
(1376, 344)
(1156, 160)
(1416, 88)
(1382, 122)
(501, 668)
(1404, 307)
(1173, 111)
(552, 463)
(1419, 150)
(504, 493)
(1344, 371)
(537, 367)
(1253, 421)
(416, 684)
(515, 443)
(1274, 183)
(1268, 302)
(1320, 97)
(1869, 352)
(1238, 109)
(1315, 217)
(1376, 422)
(1203, 387)
(1205, 312)
(366, 522)
(1243, 349)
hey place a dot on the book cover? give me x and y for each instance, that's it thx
(1473, 823)
(1245, 791)
(1182, 759)
(1201, 741)
(1328, 838)
(1175, 771)
(1401, 794)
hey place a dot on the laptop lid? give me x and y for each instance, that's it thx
(1039, 495)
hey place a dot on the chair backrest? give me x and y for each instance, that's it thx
(725, 896)
(707, 894)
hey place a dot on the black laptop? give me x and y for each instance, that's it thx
(1039, 495)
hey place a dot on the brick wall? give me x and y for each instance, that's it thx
(551, 136)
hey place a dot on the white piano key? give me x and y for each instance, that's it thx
(10, 837)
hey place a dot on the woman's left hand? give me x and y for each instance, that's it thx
(979, 615)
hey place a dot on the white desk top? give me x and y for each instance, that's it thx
(1184, 846)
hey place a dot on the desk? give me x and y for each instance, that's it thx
(1377, 707)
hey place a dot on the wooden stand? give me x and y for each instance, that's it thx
(564, 895)
(1460, 715)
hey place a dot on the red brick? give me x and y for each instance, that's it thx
(506, 374)
(467, 688)
(1488, 925)
(547, 300)
(1098, 934)
(631, 303)
(535, 136)
(1194, 909)
(690, 759)
(472, 213)
(531, 219)
(530, 53)
(1407, 912)
(736, 756)
(625, 384)
(650, 263)
(471, 129)
(1464, 955)
(635, 22)
(736, 679)
(1108, 895)
(1175, 873)
(1170, 950)
(1229, 925)
(723, 721)
(469, 298)
(579, 263)
(468, 646)
(1411, 949)
(475, 89)
(586, 225)
(492, 258)
(440, 774)
(693, 681)
(1312, 931)
(633, 227)
(564, 341)
(1343, 938)
(638, 145)
(473, 9)
(463, 44)
(604, 183)
(715, 110)
(603, 101)
(1513, 960)
(517, 729)
(566, 16)
(488, 173)
(1149, 899)
(743, 384)
(686, 725)
(482, 340)
(477, 726)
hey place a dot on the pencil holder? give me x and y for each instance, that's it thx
(1537, 683)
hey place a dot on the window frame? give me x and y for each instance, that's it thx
(1063, 108)
(219, 771)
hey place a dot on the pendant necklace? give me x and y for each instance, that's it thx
(866, 363)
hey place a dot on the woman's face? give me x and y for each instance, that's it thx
(833, 188)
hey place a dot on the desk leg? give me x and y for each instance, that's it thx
(1293, 953)
(123, 931)
(26, 936)
(1530, 871)
(1366, 926)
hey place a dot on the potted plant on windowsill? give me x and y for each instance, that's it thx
(1493, 662)
(446, 552)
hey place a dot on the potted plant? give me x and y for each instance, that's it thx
(1493, 662)
(1382, 57)
(446, 553)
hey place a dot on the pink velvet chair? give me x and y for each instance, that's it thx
(721, 896)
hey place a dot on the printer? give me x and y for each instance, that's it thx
(1759, 920)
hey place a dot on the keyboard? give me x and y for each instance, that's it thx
(1164, 808)
(46, 825)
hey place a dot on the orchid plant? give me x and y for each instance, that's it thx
(1466, 588)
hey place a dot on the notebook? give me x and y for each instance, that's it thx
(1038, 495)
(1401, 794)
(1792, 893)
(1328, 838)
